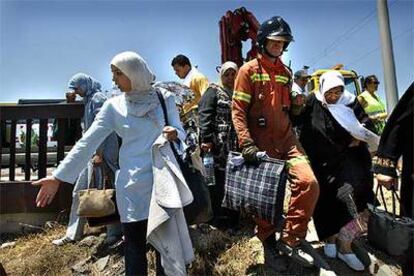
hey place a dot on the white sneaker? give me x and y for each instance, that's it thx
(352, 261)
(62, 241)
(330, 250)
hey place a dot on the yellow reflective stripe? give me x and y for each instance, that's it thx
(297, 160)
(241, 96)
(378, 115)
(260, 77)
(265, 77)
(281, 79)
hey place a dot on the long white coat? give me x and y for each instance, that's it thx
(167, 228)
(134, 180)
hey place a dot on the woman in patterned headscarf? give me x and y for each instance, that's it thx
(218, 137)
(90, 90)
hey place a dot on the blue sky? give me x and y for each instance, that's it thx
(43, 43)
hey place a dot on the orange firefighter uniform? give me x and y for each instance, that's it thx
(262, 91)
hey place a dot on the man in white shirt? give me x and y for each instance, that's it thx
(301, 78)
(298, 94)
(192, 78)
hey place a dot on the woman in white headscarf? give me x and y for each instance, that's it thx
(137, 117)
(337, 146)
(218, 137)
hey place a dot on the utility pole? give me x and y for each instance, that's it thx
(390, 80)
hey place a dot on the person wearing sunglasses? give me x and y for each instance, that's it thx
(371, 107)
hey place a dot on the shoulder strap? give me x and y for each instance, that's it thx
(164, 110)
(164, 107)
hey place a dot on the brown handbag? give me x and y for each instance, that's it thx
(94, 203)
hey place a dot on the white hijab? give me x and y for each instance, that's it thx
(224, 67)
(142, 98)
(343, 114)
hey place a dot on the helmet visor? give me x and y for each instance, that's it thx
(279, 38)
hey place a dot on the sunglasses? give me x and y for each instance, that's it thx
(375, 82)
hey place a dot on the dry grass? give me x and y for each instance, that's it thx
(220, 253)
(217, 253)
(244, 257)
(36, 255)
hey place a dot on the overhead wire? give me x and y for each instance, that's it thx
(349, 32)
(366, 54)
(355, 28)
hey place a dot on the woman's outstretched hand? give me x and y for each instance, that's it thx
(170, 133)
(49, 187)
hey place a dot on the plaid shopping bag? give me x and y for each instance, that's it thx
(256, 189)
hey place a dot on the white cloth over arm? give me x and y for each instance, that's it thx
(167, 228)
(347, 119)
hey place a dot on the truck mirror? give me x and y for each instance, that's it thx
(362, 80)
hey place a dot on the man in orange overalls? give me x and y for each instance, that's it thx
(260, 112)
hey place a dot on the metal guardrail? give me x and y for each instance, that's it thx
(28, 113)
(19, 196)
(20, 159)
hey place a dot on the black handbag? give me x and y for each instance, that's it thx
(200, 210)
(387, 231)
(257, 189)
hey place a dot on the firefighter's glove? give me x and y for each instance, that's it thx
(250, 153)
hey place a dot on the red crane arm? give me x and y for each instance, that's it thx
(235, 27)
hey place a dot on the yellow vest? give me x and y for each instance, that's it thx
(375, 109)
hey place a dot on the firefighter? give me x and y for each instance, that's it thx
(260, 112)
(372, 105)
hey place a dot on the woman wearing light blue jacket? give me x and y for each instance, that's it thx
(90, 90)
(137, 117)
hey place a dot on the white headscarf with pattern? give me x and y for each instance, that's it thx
(224, 67)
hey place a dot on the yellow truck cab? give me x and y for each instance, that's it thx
(350, 77)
